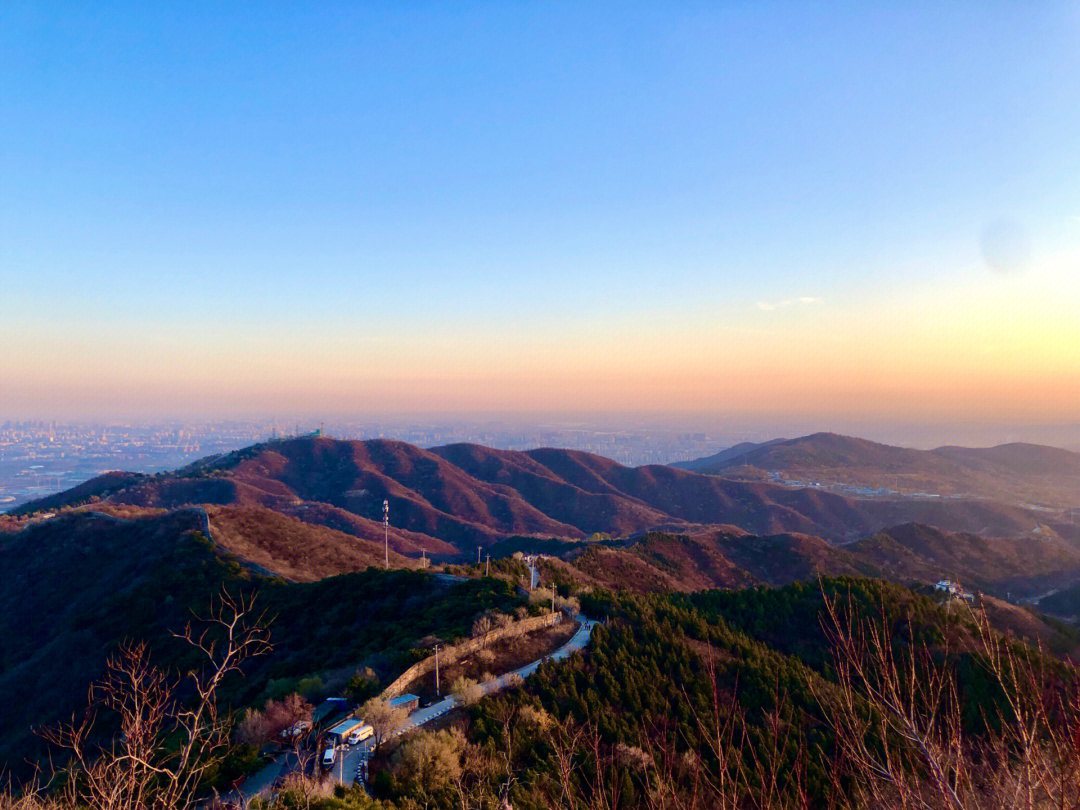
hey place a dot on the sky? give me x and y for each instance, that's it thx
(833, 213)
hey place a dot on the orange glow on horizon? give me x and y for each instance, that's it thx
(1012, 352)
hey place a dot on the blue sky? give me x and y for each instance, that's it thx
(256, 175)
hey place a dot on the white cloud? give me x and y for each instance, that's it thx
(804, 300)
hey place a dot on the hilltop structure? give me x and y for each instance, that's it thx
(954, 590)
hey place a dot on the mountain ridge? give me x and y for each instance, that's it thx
(1019, 473)
(905, 554)
(448, 500)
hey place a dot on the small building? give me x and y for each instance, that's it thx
(954, 590)
(408, 702)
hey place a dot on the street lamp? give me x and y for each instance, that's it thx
(438, 693)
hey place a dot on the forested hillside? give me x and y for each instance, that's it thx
(843, 693)
(911, 554)
(90, 582)
(763, 698)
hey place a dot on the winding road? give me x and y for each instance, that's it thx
(261, 783)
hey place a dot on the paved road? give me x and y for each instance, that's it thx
(344, 769)
(575, 643)
(427, 714)
(453, 578)
(349, 759)
(260, 782)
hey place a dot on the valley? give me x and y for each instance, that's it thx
(297, 522)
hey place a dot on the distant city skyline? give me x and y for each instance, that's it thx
(827, 216)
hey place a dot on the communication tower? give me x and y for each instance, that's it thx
(386, 532)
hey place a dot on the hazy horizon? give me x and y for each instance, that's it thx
(717, 431)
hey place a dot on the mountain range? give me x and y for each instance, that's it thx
(311, 507)
(129, 555)
(449, 500)
(1012, 473)
(910, 554)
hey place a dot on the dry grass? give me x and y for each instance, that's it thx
(291, 548)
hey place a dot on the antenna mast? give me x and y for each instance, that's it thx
(386, 532)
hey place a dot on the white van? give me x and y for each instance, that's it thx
(360, 734)
(328, 756)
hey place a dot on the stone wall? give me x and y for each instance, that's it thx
(451, 654)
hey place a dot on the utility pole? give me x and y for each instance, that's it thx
(437, 692)
(487, 565)
(530, 563)
(478, 555)
(386, 532)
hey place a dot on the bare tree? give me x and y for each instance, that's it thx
(31, 797)
(384, 718)
(466, 691)
(567, 739)
(278, 721)
(899, 722)
(429, 763)
(719, 768)
(482, 626)
(298, 790)
(897, 714)
(171, 732)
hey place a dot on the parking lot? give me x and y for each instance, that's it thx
(350, 759)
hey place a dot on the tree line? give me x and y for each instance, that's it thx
(846, 693)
